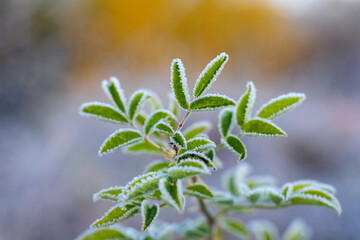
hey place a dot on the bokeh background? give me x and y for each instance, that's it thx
(54, 54)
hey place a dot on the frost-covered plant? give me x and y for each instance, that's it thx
(189, 153)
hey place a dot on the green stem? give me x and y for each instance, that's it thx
(169, 154)
(183, 121)
(218, 147)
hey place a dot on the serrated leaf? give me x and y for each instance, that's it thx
(187, 168)
(179, 84)
(209, 75)
(236, 146)
(116, 214)
(143, 148)
(102, 111)
(163, 127)
(297, 230)
(118, 139)
(262, 128)
(148, 214)
(157, 166)
(141, 185)
(264, 230)
(211, 102)
(102, 234)
(178, 139)
(300, 184)
(111, 193)
(245, 105)
(280, 105)
(157, 116)
(199, 191)
(172, 194)
(236, 228)
(115, 93)
(197, 155)
(197, 128)
(136, 103)
(198, 144)
(310, 199)
(226, 121)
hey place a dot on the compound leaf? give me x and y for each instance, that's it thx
(197, 128)
(155, 117)
(261, 127)
(211, 102)
(179, 84)
(236, 146)
(199, 191)
(172, 194)
(280, 105)
(111, 193)
(115, 93)
(163, 127)
(197, 155)
(209, 75)
(120, 138)
(178, 139)
(102, 234)
(136, 103)
(236, 228)
(198, 144)
(187, 168)
(102, 111)
(226, 121)
(149, 214)
(245, 105)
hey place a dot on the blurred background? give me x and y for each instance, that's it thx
(54, 54)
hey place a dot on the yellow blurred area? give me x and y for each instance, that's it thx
(148, 34)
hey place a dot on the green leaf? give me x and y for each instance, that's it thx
(116, 214)
(143, 148)
(234, 177)
(157, 166)
(226, 121)
(141, 118)
(178, 140)
(148, 214)
(264, 230)
(141, 185)
(280, 105)
(236, 146)
(197, 128)
(197, 155)
(194, 229)
(155, 117)
(198, 144)
(172, 194)
(163, 127)
(298, 185)
(211, 102)
(173, 106)
(264, 195)
(261, 127)
(315, 199)
(137, 101)
(245, 105)
(187, 168)
(115, 93)
(199, 191)
(236, 228)
(297, 230)
(209, 75)
(102, 111)
(102, 234)
(154, 101)
(118, 139)
(111, 193)
(179, 84)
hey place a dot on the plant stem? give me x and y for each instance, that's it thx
(183, 121)
(218, 147)
(168, 153)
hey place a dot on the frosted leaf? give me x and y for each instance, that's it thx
(198, 144)
(154, 101)
(115, 93)
(265, 194)
(313, 199)
(172, 194)
(142, 147)
(102, 234)
(155, 117)
(264, 230)
(141, 118)
(245, 105)
(199, 191)
(141, 185)
(136, 103)
(260, 181)
(226, 121)
(280, 105)
(194, 229)
(118, 139)
(179, 84)
(234, 177)
(187, 168)
(102, 111)
(197, 155)
(178, 140)
(197, 128)
(236, 146)
(111, 193)
(173, 106)
(149, 214)
(261, 128)
(209, 75)
(116, 214)
(236, 228)
(163, 127)
(160, 231)
(297, 185)
(211, 102)
(157, 166)
(297, 230)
